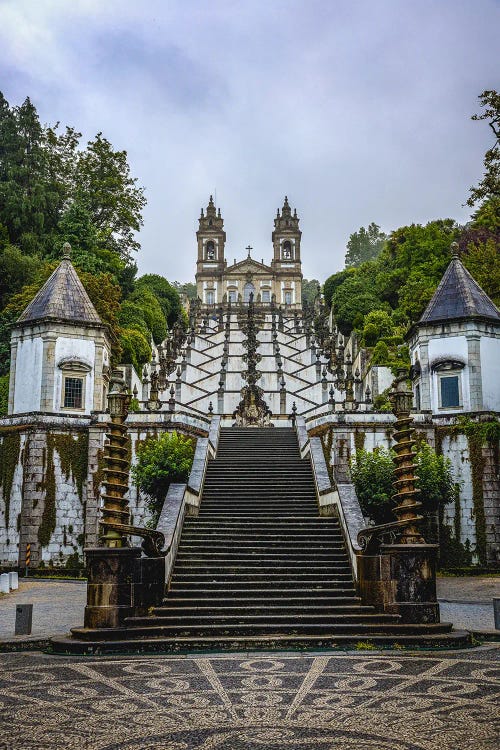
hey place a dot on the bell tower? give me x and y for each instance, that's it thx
(286, 261)
(211, 263)
(286, 237)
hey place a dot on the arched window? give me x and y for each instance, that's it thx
(287, 250)
(288, 298)
(210, 297)
(210, 250)
(247, 291)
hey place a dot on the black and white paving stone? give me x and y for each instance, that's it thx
(325, 701)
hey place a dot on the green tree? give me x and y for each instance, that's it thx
(378, 324)
(111, 196)
(152, 313)
(16, 270)
(167, 295)
(372, 474)
(28, 201)
(355, 297)
(187, 288)
(363, 245)
(162, 461)
(4, 394)
(135, 348)
(333, 282)
(489, 187)
(310, 290)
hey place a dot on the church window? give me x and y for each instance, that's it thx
(449, 391)
(210, 297)
(73, 392)
(266, 295)
(248, 290)
(287, 250)
(288, 298)
(210, 250)
(232, 296)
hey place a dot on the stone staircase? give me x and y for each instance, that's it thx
(259, 568)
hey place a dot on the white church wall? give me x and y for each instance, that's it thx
(28, 375)
(490, 372)
(452, 348)
(82, 350)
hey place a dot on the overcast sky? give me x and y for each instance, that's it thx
(358, 110)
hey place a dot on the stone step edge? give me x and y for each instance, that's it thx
(458, 639)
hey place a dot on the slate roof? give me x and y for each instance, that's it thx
(62, 297)
(459, 296)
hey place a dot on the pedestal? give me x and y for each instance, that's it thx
(112, 579)
(411, 578)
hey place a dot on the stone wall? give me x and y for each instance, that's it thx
(473, 520)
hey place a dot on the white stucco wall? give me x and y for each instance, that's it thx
(28, 382)
(490, 372)
(449, 347)
(82, 350)
(457, 450)
(66, 537)
(9, 533)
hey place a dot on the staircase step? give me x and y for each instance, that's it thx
(359, 629)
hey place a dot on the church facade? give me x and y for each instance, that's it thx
(280, 282)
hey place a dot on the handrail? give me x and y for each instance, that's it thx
(170, 523)
(340, 497)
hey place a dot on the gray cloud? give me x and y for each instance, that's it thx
(359, 111)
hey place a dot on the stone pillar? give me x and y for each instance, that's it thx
(112, 579)
(425, 377)
(33, 500)
(491, 500)
(410, 579)
(474, 363)
(97, 402)
(94, 479)
(12, 378)
(48, 372)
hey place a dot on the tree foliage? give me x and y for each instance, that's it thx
(54, 190)
(372, 474)
(310, 290)
(489, 186)
(166, 294)
(363, 245)
(160, 462)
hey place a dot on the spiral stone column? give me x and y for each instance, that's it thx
(113, 569)
(406, 494)
(115, 508)
(408, 567)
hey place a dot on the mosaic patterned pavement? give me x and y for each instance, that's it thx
(382, 701)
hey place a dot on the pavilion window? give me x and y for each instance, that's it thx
(449, 389)
(73, 392)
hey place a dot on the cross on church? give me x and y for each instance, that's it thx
(249, 247)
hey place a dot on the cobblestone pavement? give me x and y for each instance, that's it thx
(58, 605)
(374, 701)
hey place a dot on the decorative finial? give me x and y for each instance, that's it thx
(66, 248)
(454, 250)
(249, 248)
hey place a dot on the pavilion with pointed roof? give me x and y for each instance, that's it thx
(60, 349)
(455, 348)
